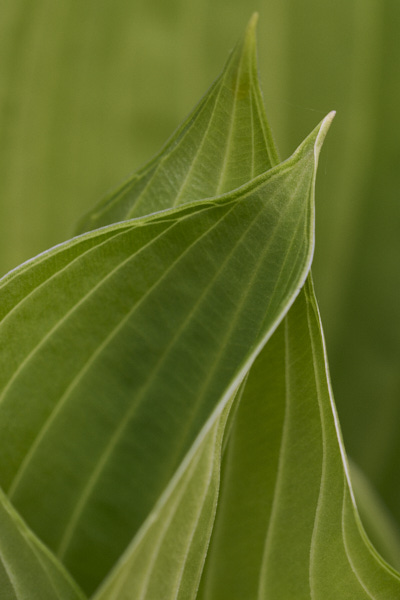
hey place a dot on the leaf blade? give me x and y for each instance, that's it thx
(314, 544)
(162, 271)
(174, 568)
(223, 143)
(27, 568)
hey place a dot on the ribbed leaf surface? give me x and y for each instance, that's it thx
(142, 395)
(286, 524)
(28, 571)
(222, 144)
(101, 376)
(166, 557)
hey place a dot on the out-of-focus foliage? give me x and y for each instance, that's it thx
(89, 90)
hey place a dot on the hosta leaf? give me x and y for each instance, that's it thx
(167, 555)
(223, 144)
(379, 523)
(100, 376)
(286, 524)
(28, 571)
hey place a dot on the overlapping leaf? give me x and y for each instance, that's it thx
(223, 143)
(167, 555)
(286, 523)
(379, 523)
(86, 381)
(28, 571)
(124, 349)
(95, 346)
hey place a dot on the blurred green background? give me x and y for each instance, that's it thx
(89, 90)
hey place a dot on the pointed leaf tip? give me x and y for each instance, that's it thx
(252, 24)
(312, 144)
(322, 131)
(249, 40)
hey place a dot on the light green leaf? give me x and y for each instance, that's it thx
(97, 375)
(286, 524)
(167, 555)
(214, 276)
(221, 145)
(28, 571)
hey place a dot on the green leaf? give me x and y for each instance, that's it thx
(221, 145)
(28, 571)
(167, 555)
(95, 337)
(379, 523)
(103, 353)
(286, 524)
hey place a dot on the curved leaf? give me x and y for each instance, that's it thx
(377, 520)
(221, 145)
(167, 555)
(213, 276)
(28, 571)
(286, 524)
(108, 319)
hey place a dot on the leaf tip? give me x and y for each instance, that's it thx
(322, 131)
(252, 24)
(249, 40)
